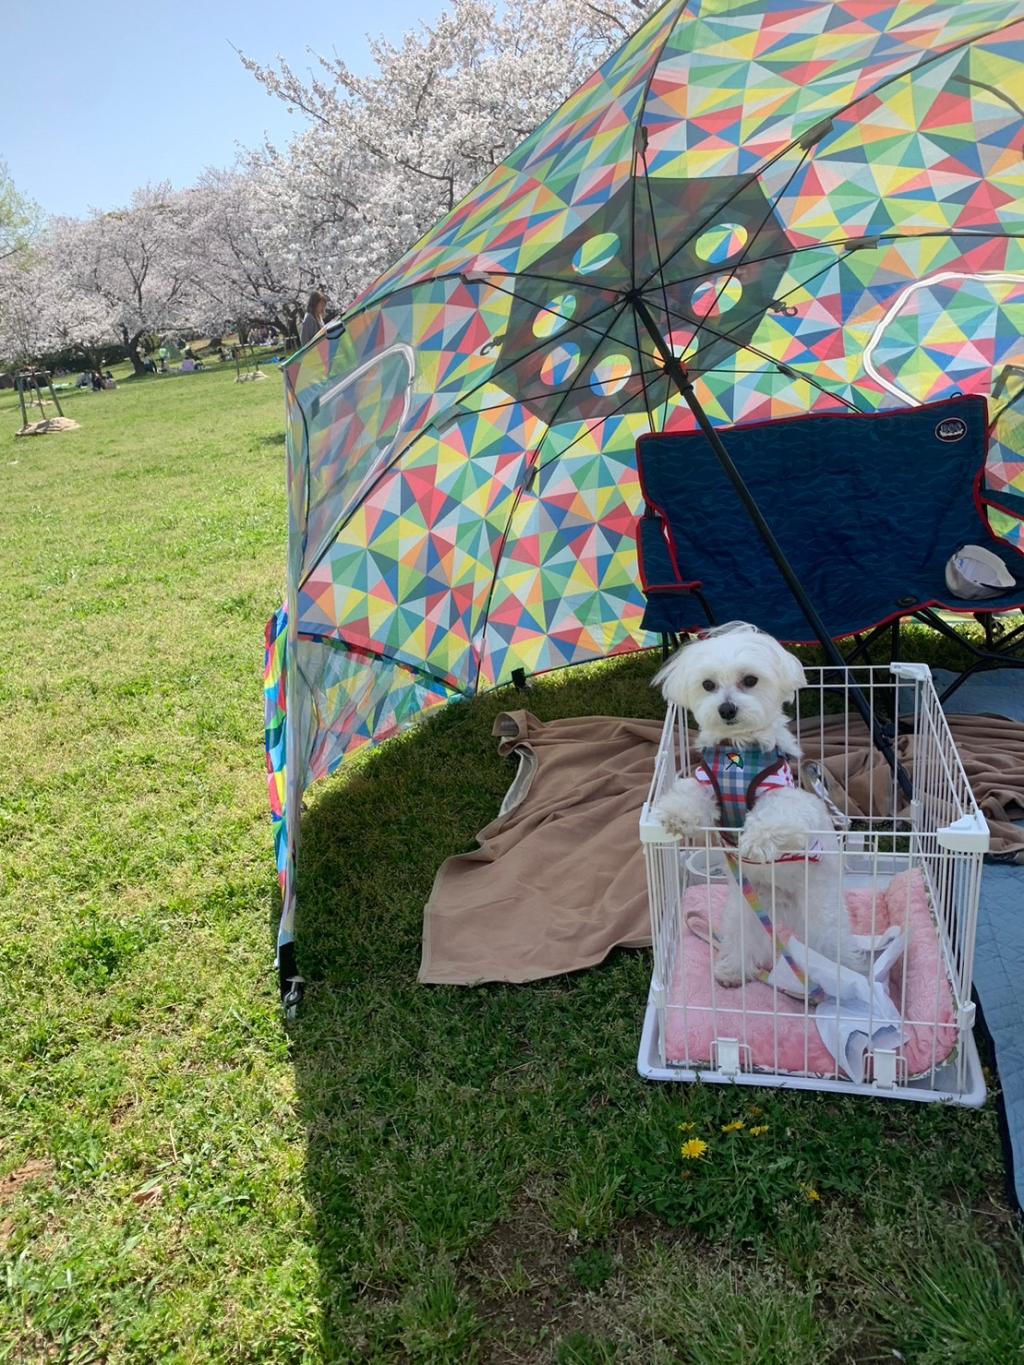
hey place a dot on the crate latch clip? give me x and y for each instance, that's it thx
(727, 1056)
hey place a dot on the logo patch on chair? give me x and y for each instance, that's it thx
(951, 429)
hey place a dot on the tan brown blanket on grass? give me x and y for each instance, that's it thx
(558, 880)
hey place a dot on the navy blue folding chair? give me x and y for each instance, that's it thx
(868, 509)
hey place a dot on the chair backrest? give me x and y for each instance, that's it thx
(866, 508)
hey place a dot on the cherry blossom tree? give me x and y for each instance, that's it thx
(139, 263)
(23, 334)
(254, 261)
(380, 159)
(386, 155)
(74, 316)
(43, 310)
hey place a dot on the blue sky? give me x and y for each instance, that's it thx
(98, 98)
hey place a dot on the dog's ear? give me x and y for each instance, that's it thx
(675, 677)
(791, 671)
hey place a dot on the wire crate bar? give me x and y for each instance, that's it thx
(909, 871)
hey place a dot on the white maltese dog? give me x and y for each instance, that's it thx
(735, 681)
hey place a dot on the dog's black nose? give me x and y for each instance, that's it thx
(727, 710)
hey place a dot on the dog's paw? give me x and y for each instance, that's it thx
(729, 971)
(672, 820)
(683, 809)
(767, 845)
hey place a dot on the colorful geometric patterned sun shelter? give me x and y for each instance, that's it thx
(809, 205)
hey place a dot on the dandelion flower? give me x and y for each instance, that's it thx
(691, 1150)
(733, 1127)
(754, 1110)
(812, 1194)
(758, 1129)
(687, 1127)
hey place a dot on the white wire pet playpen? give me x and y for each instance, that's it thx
(910, 873)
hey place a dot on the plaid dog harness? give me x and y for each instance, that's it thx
(738, 777)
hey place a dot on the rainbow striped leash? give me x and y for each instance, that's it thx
(815, 994)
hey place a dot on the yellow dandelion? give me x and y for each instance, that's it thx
(733, 1127)
(687, 1127)
(812, 1194)
(691, 1150)
(754, 1110)
(758, 1129)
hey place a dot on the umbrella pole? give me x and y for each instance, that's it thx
(676, 371)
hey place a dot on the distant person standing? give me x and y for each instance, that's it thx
(314, 319)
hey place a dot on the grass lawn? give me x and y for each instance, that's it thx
(414, 1174)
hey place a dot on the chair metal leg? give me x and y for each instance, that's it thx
(1007, 642)
(705, 605)
(864, 643)
(985, 660)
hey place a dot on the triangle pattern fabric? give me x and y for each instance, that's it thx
(815, 204)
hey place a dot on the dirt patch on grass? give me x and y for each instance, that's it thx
(46, 425)
(520, 1282)
(533, 1286)
(12, 1183)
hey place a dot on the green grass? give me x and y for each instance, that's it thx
(414, 1174)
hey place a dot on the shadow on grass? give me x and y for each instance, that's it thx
(276, 438)
(428, 1109)
(481, 1161)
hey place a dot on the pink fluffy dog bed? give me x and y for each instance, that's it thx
(767, 1020)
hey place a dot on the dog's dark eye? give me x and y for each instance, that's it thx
(750, 680)
(708, 685)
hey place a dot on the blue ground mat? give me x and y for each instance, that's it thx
(998, 693)
(998, 984)
(999, 953)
